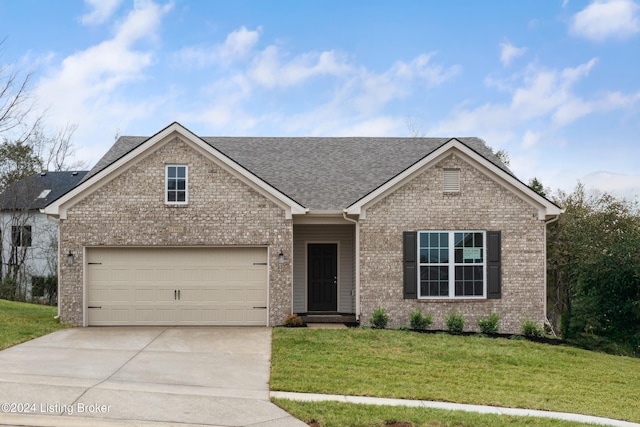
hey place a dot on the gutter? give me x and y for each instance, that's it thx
(357, 261)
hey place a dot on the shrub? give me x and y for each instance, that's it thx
(293, 321)
(420, 321)
(489, 325)
(531, 329)
(379, 319)
(454, 322)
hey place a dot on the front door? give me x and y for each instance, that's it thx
(322, 265)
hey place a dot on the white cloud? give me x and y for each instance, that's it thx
(530, 139)
(238, 45)
(542, 96)
(607, 19)
(622, 185)
(88, 80)
(101, 11)
(270, 67)
(509, 52)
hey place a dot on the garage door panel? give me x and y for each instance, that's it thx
(139, 286)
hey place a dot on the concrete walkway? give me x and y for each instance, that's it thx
(309, 397)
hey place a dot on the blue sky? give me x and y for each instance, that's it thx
(554, 83)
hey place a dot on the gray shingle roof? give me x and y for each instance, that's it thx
(319, 173)
(24, 194)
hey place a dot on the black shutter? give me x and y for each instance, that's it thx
(494, 286)
(410, 264)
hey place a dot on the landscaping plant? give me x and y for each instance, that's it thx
(419, 321)
(454, 322)
(379, 319)
(531, 329)
(489, 325)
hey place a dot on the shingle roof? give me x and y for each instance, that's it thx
(25, 193)
(319, 173)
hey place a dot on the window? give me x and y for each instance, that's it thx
(176, 189)
(451, 264)
(21, 236)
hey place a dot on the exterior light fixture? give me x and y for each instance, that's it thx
(70, 258)
(281, 257)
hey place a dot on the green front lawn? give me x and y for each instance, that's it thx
(336, 414)
(442, 367)
(20, 322)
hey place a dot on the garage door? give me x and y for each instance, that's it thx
(176, 286)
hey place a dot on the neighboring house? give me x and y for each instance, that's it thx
(176, 229)
(28, 240)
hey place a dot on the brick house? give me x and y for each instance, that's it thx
(178, 229)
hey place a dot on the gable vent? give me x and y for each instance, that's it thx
(451, 180)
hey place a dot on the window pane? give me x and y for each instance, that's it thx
(444, 240)
(182, 172)
(171, 196)
(458, 255)
(424, 255)
(424, 240)
(459, 292)
(171, 171)
(182, 185)
(458, 238)
(181, 196)
(433, 256)
(444, 289)
(444, 255)
(433, 240)
(171, 184)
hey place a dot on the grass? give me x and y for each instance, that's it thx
(20, 322)
(337, 414)
(462, 369)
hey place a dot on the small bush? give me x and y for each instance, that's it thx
(531, 329)
(293, 321)
(402, 328)
(454, 322)
(419, 321)
(489, 325)
(379, 319)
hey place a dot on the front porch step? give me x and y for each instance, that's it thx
(328, 318)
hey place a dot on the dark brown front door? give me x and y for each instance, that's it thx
(322, 263)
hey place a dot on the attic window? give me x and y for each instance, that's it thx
(451, 180)
(44, 194)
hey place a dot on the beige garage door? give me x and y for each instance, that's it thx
(176, 286)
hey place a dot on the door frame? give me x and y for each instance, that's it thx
(306, 269)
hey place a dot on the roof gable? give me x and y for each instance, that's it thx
(130, 151)
(502, 176)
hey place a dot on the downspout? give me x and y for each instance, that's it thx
(57, 222)
(357, 262)
(546, 319)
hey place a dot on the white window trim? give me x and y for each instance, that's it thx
(166, 184)
(452, 266)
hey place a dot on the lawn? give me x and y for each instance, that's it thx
(441, 367)
(336, 414)
(20, 322)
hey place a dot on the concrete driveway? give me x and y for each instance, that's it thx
(141, 376)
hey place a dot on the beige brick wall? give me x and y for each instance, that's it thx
(481, 204)
(130, 210)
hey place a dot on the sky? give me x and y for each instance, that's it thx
(554, 83)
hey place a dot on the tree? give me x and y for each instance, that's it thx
(17, 160)
(593, 266)
(503, 156)
(537, 186)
